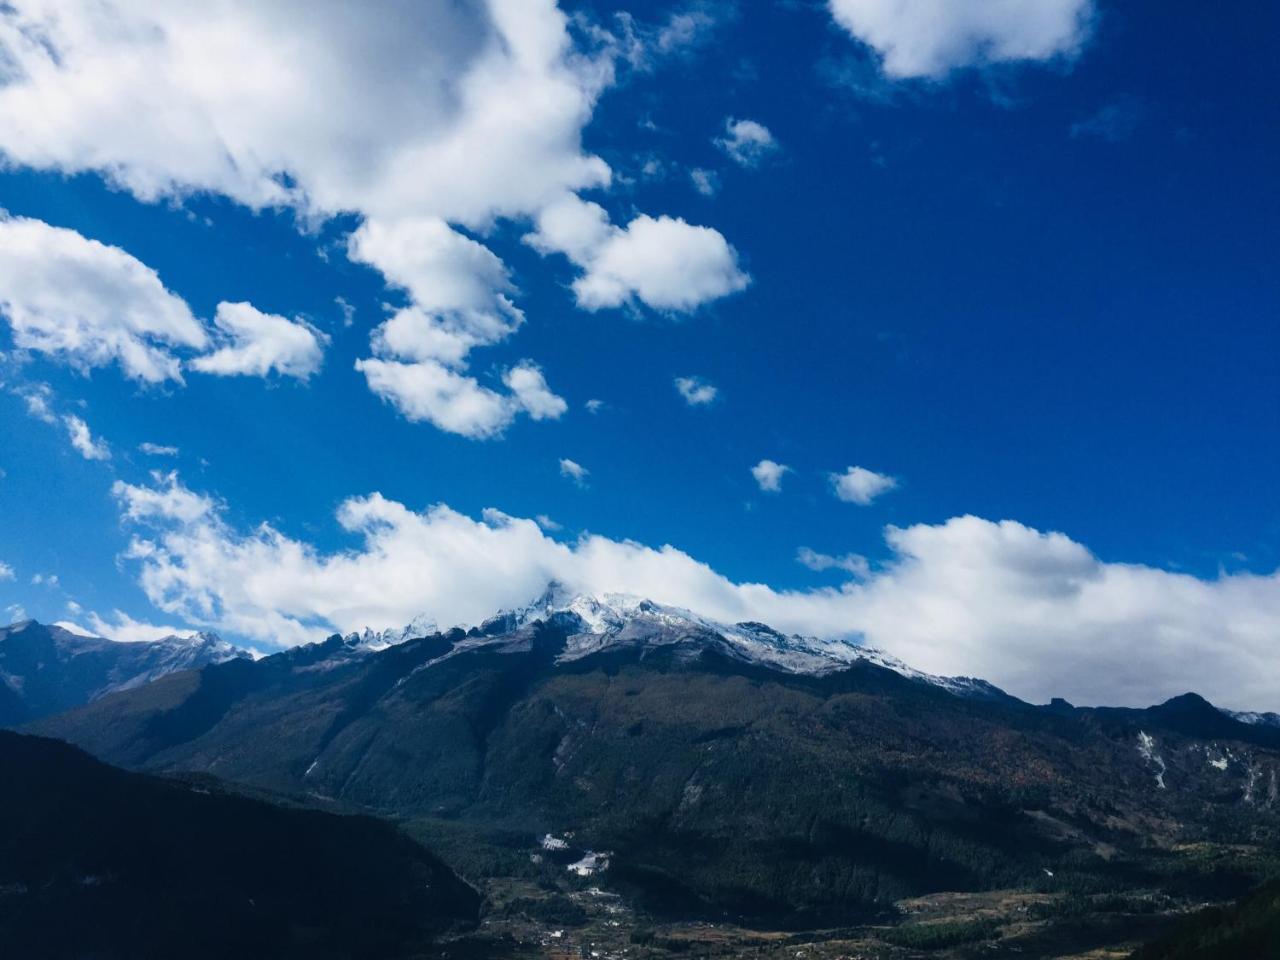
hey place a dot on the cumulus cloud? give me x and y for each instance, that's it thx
(851, 563)
(257, 344)
(574, 471)
(459, 290)
(83, 440)
(696, 391)
(6, 571)
(1033, 612)
(930, 38)
(529, 391)
(447, 275)
(165, 499)
(860, 485)
(416, 369)
(431, 392)
(768, 475)
(747, 142)
(460, 110)
(422, 120)
(663, 262)
(89, 304)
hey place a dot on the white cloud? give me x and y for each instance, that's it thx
(860, 485)
(643, 45)
(461, 111)
(124, 629)
(594, 406)
(6, 571)
(704, 181)
(73, 627)
(404, 373)
(431, 392)
(348, 310)
(45, 580)
(664, 262)
(90, 304)
(574, 471)
(1034, 612)
(747, 142)
(930, 38)
(851, 563)
(529, 391)
(83, 441)
(258, 343)
(769, 474)
(696, 391)
(445, 273)
(166, 499)
(685, 28)
(545, 522)
(460, 300)
(157, 449)
(38, 400)
(419, 119)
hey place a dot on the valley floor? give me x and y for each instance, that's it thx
(600, 925)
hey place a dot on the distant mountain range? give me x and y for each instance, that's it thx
(47, 669)
(711, 770)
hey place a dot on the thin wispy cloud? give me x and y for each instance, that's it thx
(574, 471)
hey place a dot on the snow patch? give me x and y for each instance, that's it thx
(590, 864)
(1146, 747)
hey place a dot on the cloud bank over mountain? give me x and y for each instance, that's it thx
(1036, 613)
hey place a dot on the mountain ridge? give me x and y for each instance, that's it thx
(729, 782)
(47, 668)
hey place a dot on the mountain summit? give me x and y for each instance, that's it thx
(617, 622)
(48, 668)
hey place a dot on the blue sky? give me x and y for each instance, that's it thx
(1025, 268)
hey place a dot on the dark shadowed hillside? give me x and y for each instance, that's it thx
(1248, 931)
(103, 863)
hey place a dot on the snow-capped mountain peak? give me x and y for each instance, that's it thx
(371, 640)
(598, 622)
(595, 623)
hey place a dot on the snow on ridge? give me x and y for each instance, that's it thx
(598, 622)
(619, 619)
(375, 640)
